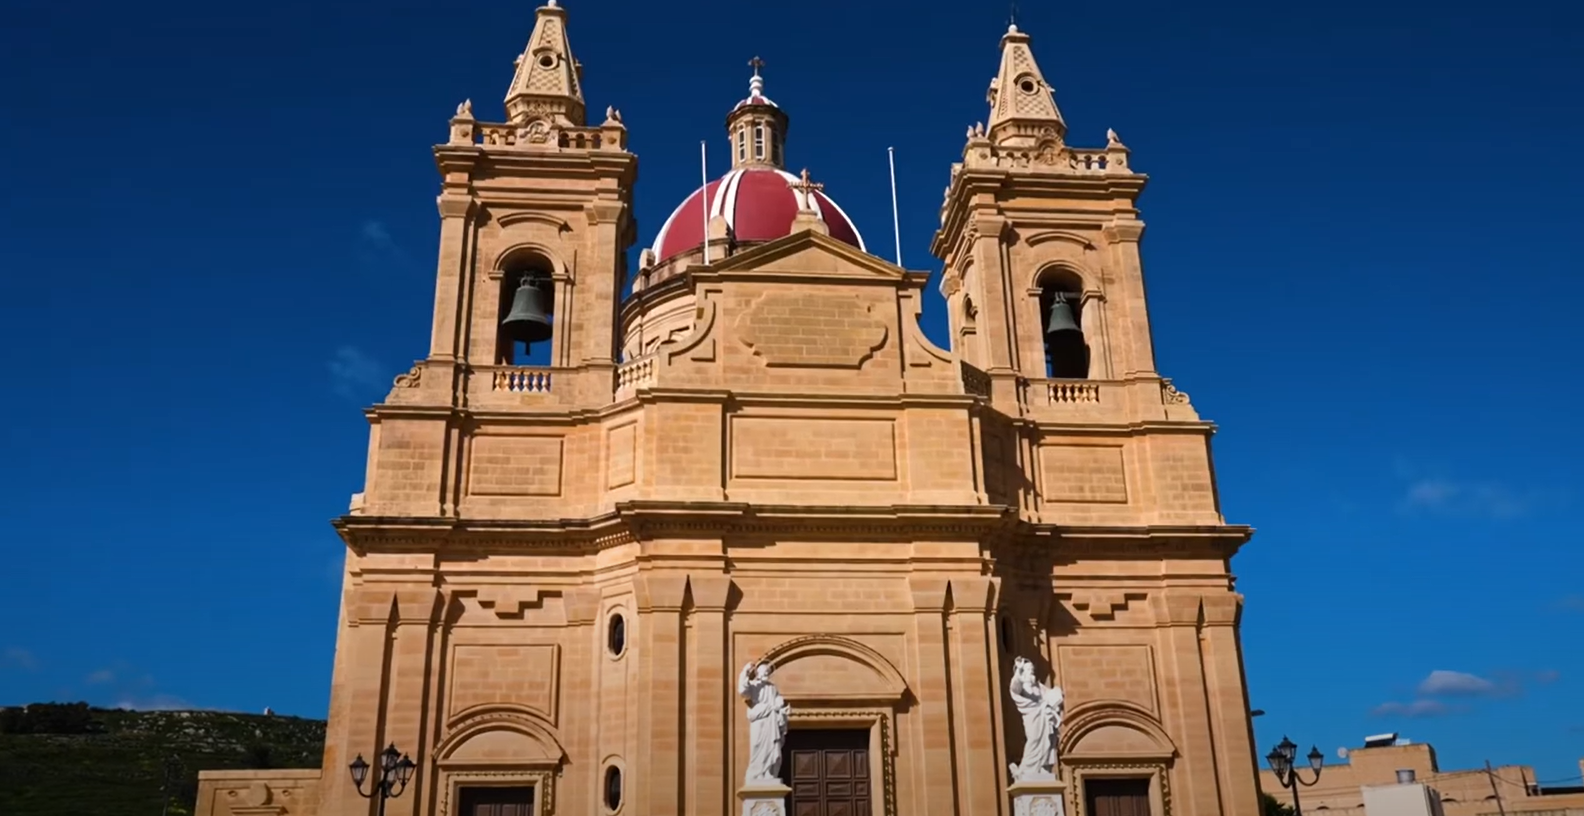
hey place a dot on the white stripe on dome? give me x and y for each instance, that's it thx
(728, 196)
(850, 223)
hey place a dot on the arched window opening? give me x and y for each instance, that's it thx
(742, 144)
(1061, 326)
(759, 142)
(527, 306)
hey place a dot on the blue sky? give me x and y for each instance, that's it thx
(218, 244)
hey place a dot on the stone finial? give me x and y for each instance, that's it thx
(1112, 140)
(612, 116)
(465, 110)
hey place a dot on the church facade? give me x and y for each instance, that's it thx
(558, 575)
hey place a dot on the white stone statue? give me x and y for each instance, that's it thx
(768, 713)
(1041, 707)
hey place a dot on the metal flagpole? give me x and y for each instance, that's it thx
(704, 194)
(896, 224)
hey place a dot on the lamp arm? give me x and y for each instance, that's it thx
(1299, 779)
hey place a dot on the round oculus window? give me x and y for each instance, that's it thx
(616, 635)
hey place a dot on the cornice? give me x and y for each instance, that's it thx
(996, 526)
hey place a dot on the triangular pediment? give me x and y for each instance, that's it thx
(807, 254)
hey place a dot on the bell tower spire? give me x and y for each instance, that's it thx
(549, 81)
(1022, 108)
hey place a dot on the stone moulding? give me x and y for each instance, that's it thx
(638, 521)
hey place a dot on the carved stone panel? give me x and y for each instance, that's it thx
(812, 330)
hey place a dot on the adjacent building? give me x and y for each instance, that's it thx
(1388, 760)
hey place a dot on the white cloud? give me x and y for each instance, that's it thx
(1447, 496)
(1456, 684)
(1417, 708)
(101, 677)
(1571, 603)
(19, 658)
(377, 248)
(354, 372)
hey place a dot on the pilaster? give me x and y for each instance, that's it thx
(934, 765)
(1136, 350)
(970, 622)
(661, 597)
(1194, 779)
(709, 699)
(407, 703)
(457, 209)
(1227, 691)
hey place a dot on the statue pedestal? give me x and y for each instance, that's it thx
(1043, 797)
(767, 798)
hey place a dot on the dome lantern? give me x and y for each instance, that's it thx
(757, 127)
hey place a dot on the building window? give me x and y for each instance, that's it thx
(1006, 632)
(613, 789)
(742, 144)
(775, 148)
(616, 635)
(759, 146)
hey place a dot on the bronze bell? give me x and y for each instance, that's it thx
(1061, 318)
(529, 320)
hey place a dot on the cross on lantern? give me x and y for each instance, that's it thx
(807, 188)
(756, 64)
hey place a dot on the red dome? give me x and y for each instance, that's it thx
(758, 204)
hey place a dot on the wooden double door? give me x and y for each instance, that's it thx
(1122, 796)
(828, 771)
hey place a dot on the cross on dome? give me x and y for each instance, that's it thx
(803, 186)
(756, 83)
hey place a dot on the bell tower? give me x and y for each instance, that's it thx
(535, 220)
(1040, 241)
(1106, 462)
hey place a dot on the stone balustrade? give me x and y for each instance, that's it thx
(635, 374)
(521, 380)
(538, 135)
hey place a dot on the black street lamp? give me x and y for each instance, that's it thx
(1281, 761)
(396, 770)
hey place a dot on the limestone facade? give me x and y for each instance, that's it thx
(554, 573)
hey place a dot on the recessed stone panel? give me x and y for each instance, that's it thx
(1124, 672)
(621, 445)
(1085, 474)
(816, 449)
(515, 466)
(517, 674)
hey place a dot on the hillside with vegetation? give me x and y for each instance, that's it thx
(67, 759)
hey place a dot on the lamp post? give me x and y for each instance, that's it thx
(395, 771)
(1281, 761)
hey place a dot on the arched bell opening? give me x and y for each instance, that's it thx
(526, 322)
(1067, 351)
